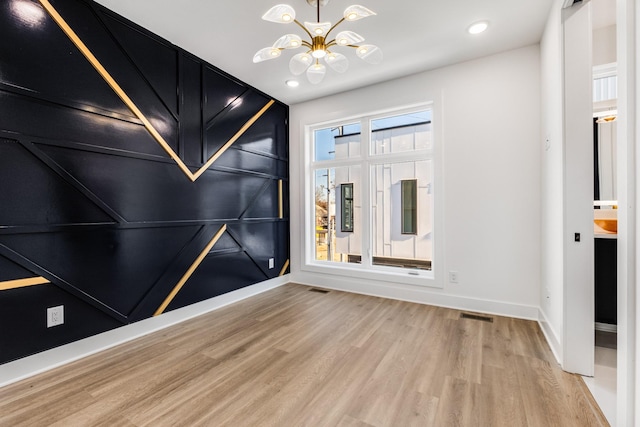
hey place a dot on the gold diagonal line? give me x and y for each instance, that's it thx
(22, 283)
(280, 207)
(134, 109)
(233, 139)
(113, 84)
(284, 268)
(190, 271)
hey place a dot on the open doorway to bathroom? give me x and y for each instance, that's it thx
(605, 90)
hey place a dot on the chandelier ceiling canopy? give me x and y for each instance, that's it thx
(320, 48)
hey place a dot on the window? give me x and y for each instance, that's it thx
(371, 181)
(347, 207)
(409, 202)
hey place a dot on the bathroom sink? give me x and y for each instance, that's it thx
(607, 224)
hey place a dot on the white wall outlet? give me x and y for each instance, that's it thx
(272, 263)
(453, 277)
(55, 316)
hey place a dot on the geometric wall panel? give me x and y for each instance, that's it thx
(25, 310)
(158, 191)
(140, 254)
(73, 77)
(224, 272)
(135, 178)
(156, 62)
(9, 270)
(33, 194)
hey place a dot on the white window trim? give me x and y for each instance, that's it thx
(422, 278)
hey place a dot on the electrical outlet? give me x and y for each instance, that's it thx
(55, 316)
(453, 277)
(272, 263)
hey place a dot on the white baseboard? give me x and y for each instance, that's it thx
(29, 366)
(415, 294)
(551, 336)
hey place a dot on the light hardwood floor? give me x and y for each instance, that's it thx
(294, 357)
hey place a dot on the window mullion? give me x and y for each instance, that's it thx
(367, 210)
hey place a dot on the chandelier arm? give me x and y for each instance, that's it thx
(307, 44)
(335, 25)
(304, 28)
(331, 43)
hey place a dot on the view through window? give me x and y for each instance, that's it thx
(373, 201)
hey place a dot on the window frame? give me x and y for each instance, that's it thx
(433, 278)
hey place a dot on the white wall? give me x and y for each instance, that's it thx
(604, 45)
(487, 119)
(552, 169)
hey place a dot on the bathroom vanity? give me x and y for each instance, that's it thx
(605, 276)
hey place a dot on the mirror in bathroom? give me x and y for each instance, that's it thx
(605, 133)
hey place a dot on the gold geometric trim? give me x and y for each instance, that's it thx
(230, 142)
(284, 268)
(190, 271)
(280, 209)
(134, 109)
(22, 283)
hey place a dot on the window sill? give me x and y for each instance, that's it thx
(421, 278)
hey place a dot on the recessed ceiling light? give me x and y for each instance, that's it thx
(478, 27)
(292, 83)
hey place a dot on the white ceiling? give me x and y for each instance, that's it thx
(414, 35)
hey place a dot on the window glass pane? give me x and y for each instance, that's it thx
(331, 242)
(605, 88)
(409, 202)
(340, 142)
(402, 133)
(390, 246)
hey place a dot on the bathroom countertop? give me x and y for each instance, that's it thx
(599, 233)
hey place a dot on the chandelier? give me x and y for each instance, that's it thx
(320, 47)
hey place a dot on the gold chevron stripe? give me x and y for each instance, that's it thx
(284, 268)
(132, 106)
(280, 206)
(22, 283)
(233, 139)
(190, 271)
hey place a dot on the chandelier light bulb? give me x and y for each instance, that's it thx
(362, 50)
(281, 14)
(356, 12)
(319, 53)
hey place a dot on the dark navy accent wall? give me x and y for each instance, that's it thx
(92, 203)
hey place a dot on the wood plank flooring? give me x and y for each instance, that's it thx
(291, 357)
